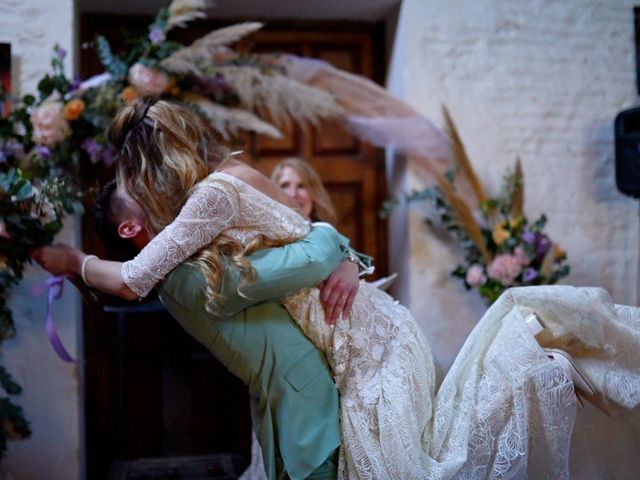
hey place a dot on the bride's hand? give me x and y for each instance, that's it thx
(338, 292)
(58, 259)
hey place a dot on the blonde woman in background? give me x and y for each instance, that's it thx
(301, 182)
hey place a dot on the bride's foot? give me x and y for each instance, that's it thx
(581, 383)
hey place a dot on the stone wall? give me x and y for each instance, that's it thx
(52, 395)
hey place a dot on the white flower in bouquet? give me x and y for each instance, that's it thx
(49, 123)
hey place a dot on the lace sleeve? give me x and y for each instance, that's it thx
(211, 208)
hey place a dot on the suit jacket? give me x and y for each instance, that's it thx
(295, 409)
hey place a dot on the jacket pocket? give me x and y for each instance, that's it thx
(309, 367)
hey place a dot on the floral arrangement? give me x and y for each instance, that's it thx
(47, 136)
(502, 247)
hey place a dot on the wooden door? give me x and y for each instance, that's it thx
(150, 389)
(352, 172)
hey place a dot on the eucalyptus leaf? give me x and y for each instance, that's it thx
(111, 62)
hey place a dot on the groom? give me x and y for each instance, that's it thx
(294, 407)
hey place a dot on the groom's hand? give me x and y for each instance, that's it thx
(338, 292)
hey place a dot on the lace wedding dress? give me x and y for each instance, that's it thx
(504, 410)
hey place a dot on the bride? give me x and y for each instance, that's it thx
(505, 410)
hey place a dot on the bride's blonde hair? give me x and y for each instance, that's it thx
(165, 149)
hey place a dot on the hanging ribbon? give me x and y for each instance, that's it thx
(55, 286)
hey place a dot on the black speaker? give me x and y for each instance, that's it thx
(627, 136)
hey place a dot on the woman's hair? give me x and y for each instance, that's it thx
(164, 150)
(323, 209)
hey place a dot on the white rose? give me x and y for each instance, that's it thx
(49, 124)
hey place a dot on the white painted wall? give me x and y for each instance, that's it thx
(541, 80)
(52, 395)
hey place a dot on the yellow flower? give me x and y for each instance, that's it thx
(515, 222)
(129, 93)
(500, 233)
(73, 109)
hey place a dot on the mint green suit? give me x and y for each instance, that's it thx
(295, 409)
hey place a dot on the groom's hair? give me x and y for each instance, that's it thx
(109, 210)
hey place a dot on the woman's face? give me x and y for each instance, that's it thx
(293, 185)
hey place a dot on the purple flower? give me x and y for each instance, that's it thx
(14, 149)
(528, 237)
(92, 147)
(108, 155)
(529, 274)
(60, 52)
(543, 244)
(43, 151)
(75, 85)
(156, 36)
(215, 86)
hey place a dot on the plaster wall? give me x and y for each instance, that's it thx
(537, 80)
(51, 388)
(542, 81)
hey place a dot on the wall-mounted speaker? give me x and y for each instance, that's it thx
(627, 138)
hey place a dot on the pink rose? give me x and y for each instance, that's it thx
(475, 275)
(522, 257)
(505, 268)
(147, 81)
(49, 124)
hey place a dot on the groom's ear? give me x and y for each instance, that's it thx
(129, 229)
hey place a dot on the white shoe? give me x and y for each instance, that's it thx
(580, 380)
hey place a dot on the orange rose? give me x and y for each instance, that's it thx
(500, 233)
(73, 109)
(128, 94)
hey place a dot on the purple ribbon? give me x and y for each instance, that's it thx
(55, 286)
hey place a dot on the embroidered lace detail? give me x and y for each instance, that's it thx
(220, 203)
(504, 410)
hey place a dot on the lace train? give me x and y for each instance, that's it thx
(504, 410)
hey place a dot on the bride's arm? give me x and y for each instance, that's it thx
(105, 275)
(207, 212)
(279, 271)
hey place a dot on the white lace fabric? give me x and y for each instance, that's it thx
(504, 410)
(220, 204)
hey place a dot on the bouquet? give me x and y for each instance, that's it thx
(502, 247)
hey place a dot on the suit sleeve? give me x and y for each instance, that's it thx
(282, 270)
